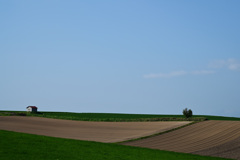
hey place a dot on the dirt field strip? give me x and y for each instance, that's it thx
(204, 138)
(84, 130)
(230, 149)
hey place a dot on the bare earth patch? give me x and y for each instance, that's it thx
(211, 138)
(83, 130)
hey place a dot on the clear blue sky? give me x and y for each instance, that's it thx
(128, 56)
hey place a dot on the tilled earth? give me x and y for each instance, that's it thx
(211, 138)
(84, 130)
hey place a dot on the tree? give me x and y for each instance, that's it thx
(187, 113)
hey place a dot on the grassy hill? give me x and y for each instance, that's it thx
(23, 146)
(116, 117)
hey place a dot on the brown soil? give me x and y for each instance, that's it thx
(212, 138)
(83, 130)
(230, 149)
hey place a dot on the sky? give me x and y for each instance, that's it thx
(128, 56)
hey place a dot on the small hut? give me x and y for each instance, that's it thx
(32, 109)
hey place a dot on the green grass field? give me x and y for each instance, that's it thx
(221, 118)
(23, 146)
(116, 117)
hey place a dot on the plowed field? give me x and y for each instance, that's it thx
(212, 138)
(83, 130)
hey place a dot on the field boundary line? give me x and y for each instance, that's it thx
(160, 133)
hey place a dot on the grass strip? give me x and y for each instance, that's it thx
(115, 117)
(107, 117)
